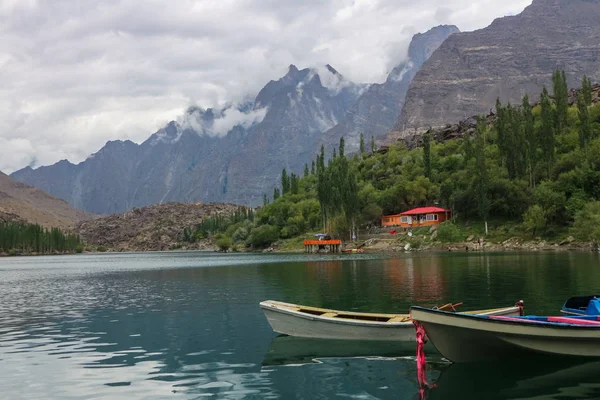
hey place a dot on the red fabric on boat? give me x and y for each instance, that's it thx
(574, 321)
(504, 318)
(421, 361)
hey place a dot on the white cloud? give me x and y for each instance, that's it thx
(76, 73)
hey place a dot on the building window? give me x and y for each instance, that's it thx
(404, 220)
(432, 217)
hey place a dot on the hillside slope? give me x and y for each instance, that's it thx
(23, 203)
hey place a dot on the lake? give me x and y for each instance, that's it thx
(187, 325)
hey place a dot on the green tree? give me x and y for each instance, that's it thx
(306, 171)
(342, 144)
(313, 168)
(530, 139)
(285, 182)
(373, 145)
(561, 98)
(294, 184)
(265, 200)
(481, 176)
(586, 89)
(546, 134)
(362, 144)
(427, 154)
(263, 236)
(534, 219)
(585, 127)
(224, 243)
(276, 194)
(587, 223)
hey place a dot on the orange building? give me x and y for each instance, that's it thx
(423, 216)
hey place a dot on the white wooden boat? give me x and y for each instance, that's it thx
(472, 338)
(314, 322)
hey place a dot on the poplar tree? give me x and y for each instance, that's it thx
(306, 171)
(312, 168)
(373, 149)
(546, 135)
(294, 187)
(585, 128)
(362, 144)
(586, 89)
(561, 98)
(276, 194)
(427, 154)
(285, 182)
(501, 130)
(530, 138)
(342, 144)
(481, 176)
(265, 200)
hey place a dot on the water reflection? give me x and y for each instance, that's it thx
(541, 378)
(288, 350)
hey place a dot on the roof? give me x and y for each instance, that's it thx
(425, 210)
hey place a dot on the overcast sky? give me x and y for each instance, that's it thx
(76, 73)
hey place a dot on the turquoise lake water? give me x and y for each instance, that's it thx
(187, 325)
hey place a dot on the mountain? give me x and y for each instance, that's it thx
(378, 109)
(232, 155)
(513, 56)
(157, 227)
(23, 203)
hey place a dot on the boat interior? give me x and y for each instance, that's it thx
(357, 316)
(573, 321)
(582, 305)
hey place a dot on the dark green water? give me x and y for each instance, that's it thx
(188, 325)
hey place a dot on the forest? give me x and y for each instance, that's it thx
(22, 238)
(532, 167)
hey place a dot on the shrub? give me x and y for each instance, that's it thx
(224, 243)
(101, 249)
(448, 232)
(263, 236)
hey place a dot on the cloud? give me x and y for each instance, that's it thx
(76, 74)
(221, 122)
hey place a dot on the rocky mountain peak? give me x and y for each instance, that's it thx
(513, 56)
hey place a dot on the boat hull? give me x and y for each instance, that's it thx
(463, 339)
(285, 320)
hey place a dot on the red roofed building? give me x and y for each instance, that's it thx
(423, 216)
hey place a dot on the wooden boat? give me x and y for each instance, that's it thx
(582, 305)
(471, 338)
(314, 322)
